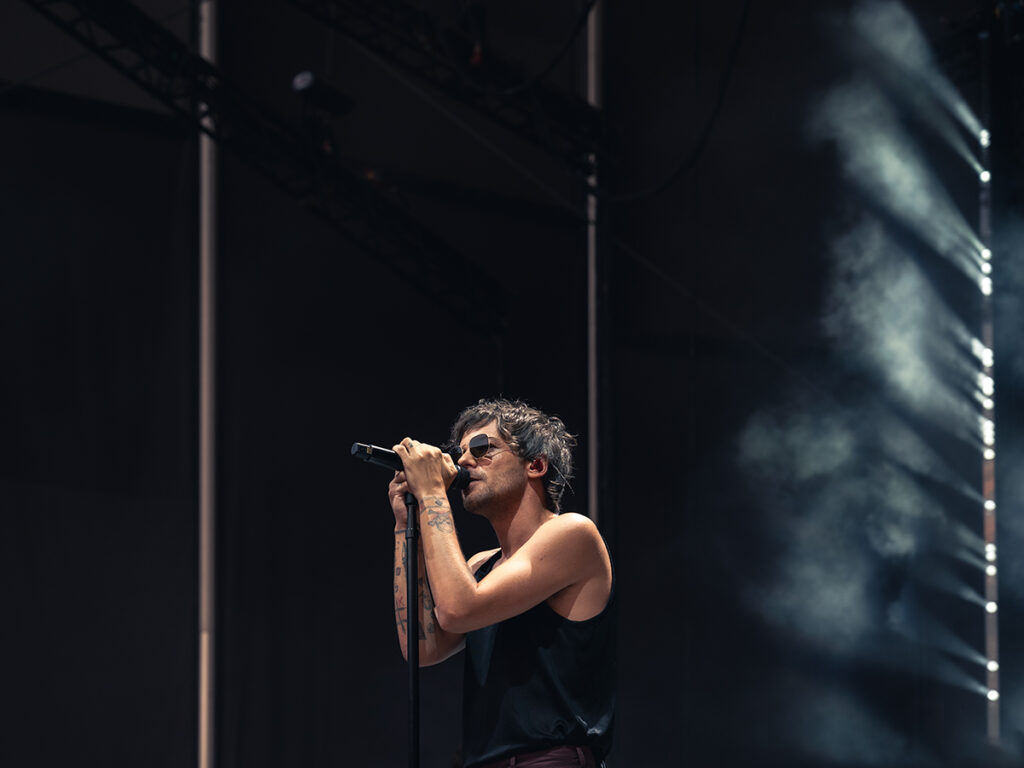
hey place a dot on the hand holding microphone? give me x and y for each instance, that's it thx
(384, 457)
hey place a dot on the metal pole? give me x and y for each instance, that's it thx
(594, 393)
(207, 403)
(988, 467)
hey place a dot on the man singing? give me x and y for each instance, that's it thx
(535, 615)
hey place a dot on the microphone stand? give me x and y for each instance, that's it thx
(386, 458)
(412, 625)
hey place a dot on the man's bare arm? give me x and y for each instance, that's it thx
(436, 644)
(564, 551)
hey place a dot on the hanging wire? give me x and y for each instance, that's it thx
(691, 158)
(578, 26)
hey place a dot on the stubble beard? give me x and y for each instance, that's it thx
(476, 501)
(487, 500)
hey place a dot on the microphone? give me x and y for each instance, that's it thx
(384, 457)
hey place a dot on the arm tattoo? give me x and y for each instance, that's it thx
(439, 516)
(428, 598)
(427, 601)
(400, 616)
(399, 569)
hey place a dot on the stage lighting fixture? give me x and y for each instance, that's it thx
(986, 254)
(985, 177)
(986, 268)
(990, 570)
(990, 505)
(984, 138)
(987, 404)
(982, 352)
(993, 695)
(991, 606)
(990, 555)
(992, 666)
(988, 386)
(986, 286)
(989, 454)
(316, 91)
(988, 432)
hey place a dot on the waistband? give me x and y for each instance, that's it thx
(556, 757)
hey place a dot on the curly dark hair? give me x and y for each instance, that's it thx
(530, 433)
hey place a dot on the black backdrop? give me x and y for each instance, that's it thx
(99, 423)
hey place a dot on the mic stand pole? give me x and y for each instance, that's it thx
(412, 625)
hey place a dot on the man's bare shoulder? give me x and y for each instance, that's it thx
(573, 536)
(575, 526)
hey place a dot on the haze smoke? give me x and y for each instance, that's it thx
(880, 159)
(841, 486)
(887, 28)
(884, 315)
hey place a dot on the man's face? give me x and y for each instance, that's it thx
(496, 476)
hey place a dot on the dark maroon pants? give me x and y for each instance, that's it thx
(557, 757)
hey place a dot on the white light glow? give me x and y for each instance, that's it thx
(987, 384)
(986, 286)
(993, 695)
(986, 254)
(987, 403)
(990, 505)
(986, 268)
(989, 454)
(992, 666)
(988, 431)
(984, 138)
(985, 177)
(991, 606)
(990, 556)
(990, 570)
(979, 350)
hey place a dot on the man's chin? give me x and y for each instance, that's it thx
(472, 499)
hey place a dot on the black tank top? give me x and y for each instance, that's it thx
(538, 680)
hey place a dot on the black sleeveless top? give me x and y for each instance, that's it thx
(538, 680)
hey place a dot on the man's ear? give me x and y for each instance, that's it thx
(538, 467)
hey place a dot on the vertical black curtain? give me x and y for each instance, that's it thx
(97, 407)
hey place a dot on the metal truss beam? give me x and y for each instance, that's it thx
(561, 124)
(144, 51)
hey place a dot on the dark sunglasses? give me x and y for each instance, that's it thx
(480, 446)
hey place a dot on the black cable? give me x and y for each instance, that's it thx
(581, 22)
(698, 149)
